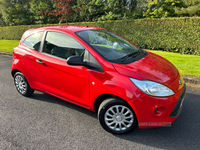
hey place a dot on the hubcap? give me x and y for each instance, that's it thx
(119, 118)
(20, 84)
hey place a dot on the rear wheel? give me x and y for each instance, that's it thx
(116, 116)
(22, 84)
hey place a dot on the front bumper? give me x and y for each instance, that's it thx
(159, 111)
(177, 109)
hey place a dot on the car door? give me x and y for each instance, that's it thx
(55, 76)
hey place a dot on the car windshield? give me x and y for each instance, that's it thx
(109, 45)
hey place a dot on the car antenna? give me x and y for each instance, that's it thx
(86, 25)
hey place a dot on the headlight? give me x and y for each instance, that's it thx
(152, 88)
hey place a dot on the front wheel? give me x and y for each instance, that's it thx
(22, 84)
(116, 116)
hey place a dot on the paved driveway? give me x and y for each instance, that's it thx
(45, 122)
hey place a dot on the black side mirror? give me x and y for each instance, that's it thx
(77, 61)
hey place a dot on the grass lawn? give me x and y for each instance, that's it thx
(8, 45)
(188, 65)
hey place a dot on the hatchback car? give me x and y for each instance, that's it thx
(101, 71)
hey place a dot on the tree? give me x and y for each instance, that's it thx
(16, 12)
(63, 9)
(118, 9)
(42, 5)
(190, 8)
(91, 10)
(4, 4)
(140, 8)
(161, 8)
(18, 15)
(1, 20)
(94, 10)
(135, 8)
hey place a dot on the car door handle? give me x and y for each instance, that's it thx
(38, 61)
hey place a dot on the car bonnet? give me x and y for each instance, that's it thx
(152, 67)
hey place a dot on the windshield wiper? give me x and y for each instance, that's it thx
(129, 55)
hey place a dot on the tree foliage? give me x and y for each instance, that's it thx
(94, 10)
(190, 8)
(91, 9)
(4, 4)
(1, 20)
(24, 12)
(63, 9)
(41, 6)
(16, 12)
(161, 8)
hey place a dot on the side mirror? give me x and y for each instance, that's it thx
(77, 61)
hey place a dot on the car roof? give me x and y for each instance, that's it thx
(73, 28)
(69, 28)
(65, 28)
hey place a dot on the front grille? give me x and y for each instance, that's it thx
(177, 109)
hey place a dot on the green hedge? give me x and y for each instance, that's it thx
(169, 34)
(15, 32)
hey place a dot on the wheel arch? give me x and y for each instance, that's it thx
(14, 71)
(103, 97)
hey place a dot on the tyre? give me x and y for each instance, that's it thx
(22, 84)
(116, 116)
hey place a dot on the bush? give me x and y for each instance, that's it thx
(167, 34)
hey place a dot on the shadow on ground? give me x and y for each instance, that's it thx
(183, 134)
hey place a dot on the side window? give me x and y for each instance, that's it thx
(61, 45)
(34, 40)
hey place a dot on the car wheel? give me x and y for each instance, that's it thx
(22, 84)
(116, 116)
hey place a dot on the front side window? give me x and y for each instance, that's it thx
(62, 45)
(110, 46)
(34, 40)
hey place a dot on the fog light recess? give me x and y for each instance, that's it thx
(159, 111)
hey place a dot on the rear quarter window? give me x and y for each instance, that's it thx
(34, 40)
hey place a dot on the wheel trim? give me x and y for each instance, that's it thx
(20, 84)
(119, 118)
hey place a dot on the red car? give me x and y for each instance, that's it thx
(101, 71)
